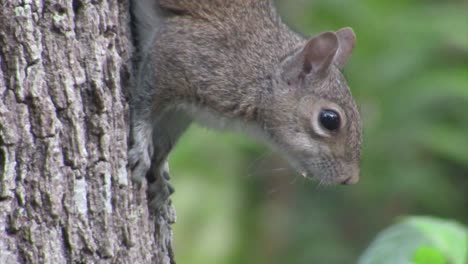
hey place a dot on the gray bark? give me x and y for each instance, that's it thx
(65, 189)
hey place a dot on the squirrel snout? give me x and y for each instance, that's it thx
(351, 180)
(352, 177)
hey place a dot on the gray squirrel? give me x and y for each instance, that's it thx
(233, 64)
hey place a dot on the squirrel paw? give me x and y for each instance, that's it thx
(159, 187)
(140, 162)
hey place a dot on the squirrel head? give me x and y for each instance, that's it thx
(311, 114)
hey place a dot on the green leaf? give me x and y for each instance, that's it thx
(419, 240)
(428, 255)
(448, 236)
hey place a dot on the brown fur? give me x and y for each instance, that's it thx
(208, 9)
(228, 62)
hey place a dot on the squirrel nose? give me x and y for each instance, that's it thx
(353, 178)
(350, 180)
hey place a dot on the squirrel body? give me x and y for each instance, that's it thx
(233, 64)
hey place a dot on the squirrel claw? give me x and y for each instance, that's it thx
(159, 187)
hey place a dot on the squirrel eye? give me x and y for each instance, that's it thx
(330, 119)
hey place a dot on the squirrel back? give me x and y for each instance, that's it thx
(214, 47)
(148, 14)
(209, 9)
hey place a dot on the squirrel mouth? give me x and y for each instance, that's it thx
(347, 181)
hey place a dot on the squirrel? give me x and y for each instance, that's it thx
(233, 64)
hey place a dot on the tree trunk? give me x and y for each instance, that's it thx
(65, 189)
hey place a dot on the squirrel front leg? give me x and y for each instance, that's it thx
(166, 131)
(153, 135)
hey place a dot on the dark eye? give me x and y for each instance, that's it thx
(330, 119)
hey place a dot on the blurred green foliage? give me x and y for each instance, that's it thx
(238, 203)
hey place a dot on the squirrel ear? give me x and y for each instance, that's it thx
(319, 52)
(346, 39)
(316, 57)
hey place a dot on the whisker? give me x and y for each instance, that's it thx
(266, 172)
(256, 161)
(294, 180)
(320, 184)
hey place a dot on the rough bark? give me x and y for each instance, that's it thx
(65, 191)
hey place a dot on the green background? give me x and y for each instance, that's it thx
(239, 203)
